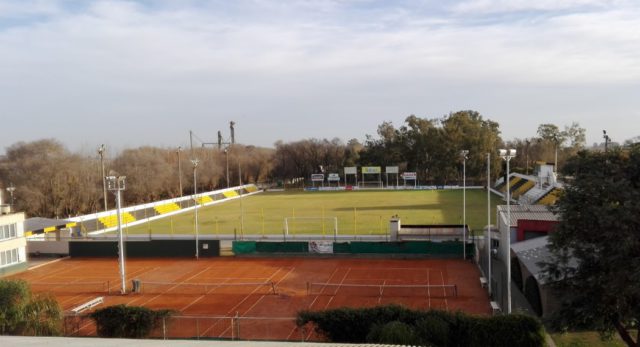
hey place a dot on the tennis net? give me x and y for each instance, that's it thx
(383, 290)
(150, 287)
(72, 287)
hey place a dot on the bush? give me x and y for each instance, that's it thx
(399, 325)
(22, 313)
(395, 333)
(127, 321)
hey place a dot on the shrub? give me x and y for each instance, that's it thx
(399, 325)
(22, 313)
(127, 321)
(395, 333)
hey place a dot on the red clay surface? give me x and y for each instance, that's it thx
(260, 314)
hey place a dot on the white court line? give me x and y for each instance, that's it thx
(428, 288)
(444, 289)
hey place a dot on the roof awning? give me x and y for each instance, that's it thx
(38, 225)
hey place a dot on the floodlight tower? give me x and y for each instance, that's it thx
(607, 140)
(464, 154)
(507, 155)
(179, 170)
(489, 221)
(117, 184)
(101, 151)
(11, 189)
(195, 200)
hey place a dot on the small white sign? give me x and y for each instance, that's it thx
(351, 170)
(333, 177)
(324, 247)
(409, 175)
(317, 177)
(371, 170)
(391, 170)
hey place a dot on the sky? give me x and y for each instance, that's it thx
(136, 73)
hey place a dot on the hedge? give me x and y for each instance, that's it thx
(127, 321)
(399, 325)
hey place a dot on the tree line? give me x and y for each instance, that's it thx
(52, 181)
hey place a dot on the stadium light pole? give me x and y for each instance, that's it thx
(607, 139)
(101, 151)
(464, 154)
(179, 170)
(489, 221)
(507, 155)
(195, 192)
(11, 189)
(226, 154)
(117, 185)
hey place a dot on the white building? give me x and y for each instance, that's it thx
(13, 255)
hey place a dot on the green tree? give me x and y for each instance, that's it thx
(596, 268)
(22, 313)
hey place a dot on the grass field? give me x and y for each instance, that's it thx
(357, 212)
(586, 339)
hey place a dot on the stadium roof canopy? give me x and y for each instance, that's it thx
(39, 225)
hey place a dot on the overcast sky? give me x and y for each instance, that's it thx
(132, 73)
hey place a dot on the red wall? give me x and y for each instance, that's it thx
(534, 225)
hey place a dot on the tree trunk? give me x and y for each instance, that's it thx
(624, 334)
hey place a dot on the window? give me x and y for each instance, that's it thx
(8, 231)
(9, 257)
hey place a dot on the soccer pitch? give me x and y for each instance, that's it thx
(357, 212)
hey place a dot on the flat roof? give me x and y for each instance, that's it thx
(528, 212)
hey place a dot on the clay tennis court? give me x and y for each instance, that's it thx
(258, 298)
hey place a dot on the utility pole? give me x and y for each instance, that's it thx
(101, 151)
(117, 184)
(179, 170)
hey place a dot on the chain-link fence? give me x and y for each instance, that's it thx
(207, 327)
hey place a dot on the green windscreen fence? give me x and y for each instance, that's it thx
(282, 247)
(443, 249)
(244, 247)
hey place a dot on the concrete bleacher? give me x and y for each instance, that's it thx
(522, 188)
(230, 194)
(167, 208)
(550, 197)
(534, 194)
(205, 199)
(112, 220)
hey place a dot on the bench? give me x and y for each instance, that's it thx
(483, 282)
(88, 305)
(495, 309)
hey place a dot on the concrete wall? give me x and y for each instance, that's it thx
(48, 247)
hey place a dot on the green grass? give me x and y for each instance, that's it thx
(586, 339)
(358, 212)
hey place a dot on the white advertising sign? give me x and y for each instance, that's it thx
(351, 170)
(409, 175)
(371, 170)
(317, 177)
(324, 247)
(391, 169)
(333, 177)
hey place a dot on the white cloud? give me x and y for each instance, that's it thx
(326, 59)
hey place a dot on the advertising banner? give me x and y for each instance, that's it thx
(409, 175)
(371, 170)
(323, 247)
(333, 177)
(391, 169)
(351, 170)
(317, 177)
